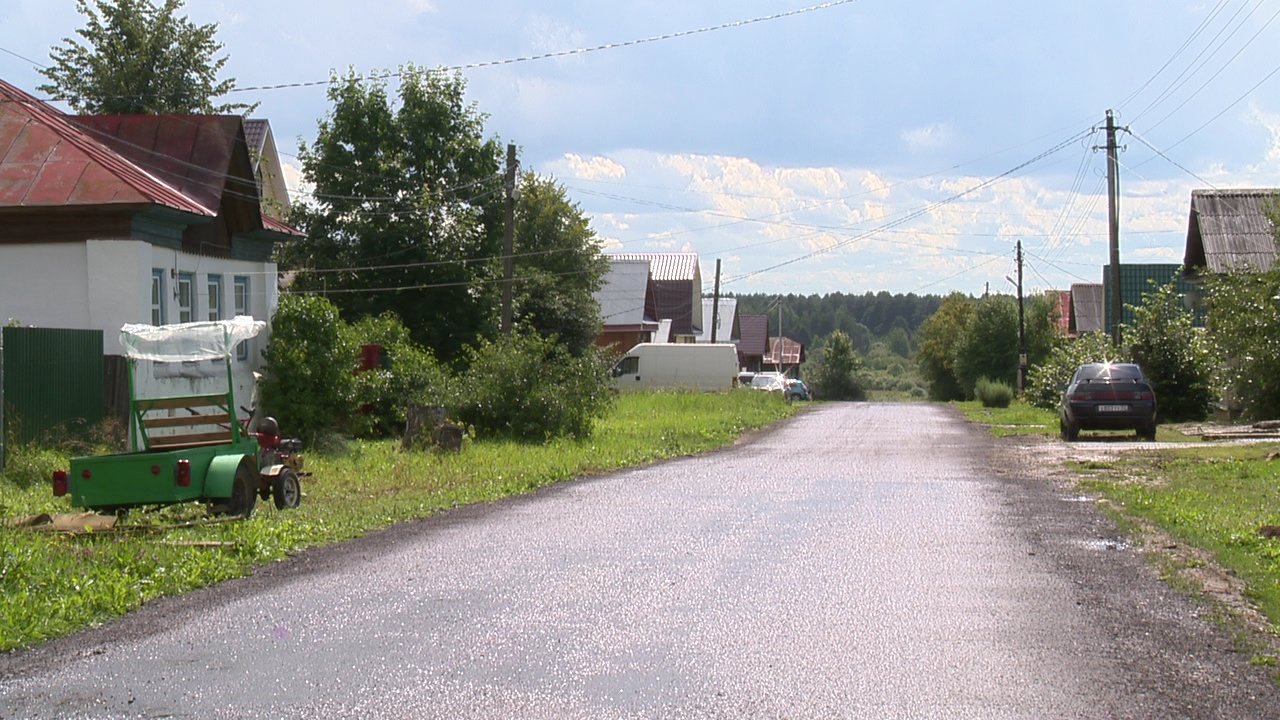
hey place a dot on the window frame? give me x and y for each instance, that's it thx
(186, 310)
(158, 304)
(213, 296)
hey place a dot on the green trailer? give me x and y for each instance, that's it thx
(187, 447)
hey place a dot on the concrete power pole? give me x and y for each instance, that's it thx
(508, 239)
(1022, 329)
(1113, 217)
(715, 303)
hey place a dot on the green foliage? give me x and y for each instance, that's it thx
(938, 337)
(308, 385)
(139, 59)
(1174, 355)
(409, 374)
(993, 394)
(558, 266)
(29, 466)
(988, 345)
(1040, 321)
(1046, 380)
(529, 388)
(899, 342)
(807, 318)
(834, 373)
(1244, 324)
(410, 193)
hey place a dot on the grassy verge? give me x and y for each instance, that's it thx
(1213, 498)
(52, 585)
(1017, 419)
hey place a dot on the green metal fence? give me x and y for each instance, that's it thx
(1137, 279)
(51, 384)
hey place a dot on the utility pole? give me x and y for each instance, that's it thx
(1022, 329)
(508, 239)
(715, 303)
(1113, 217)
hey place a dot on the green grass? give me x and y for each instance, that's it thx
(52, 585)
(1213, 498)
(1017, 419)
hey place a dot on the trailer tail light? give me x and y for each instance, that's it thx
(183, 473)
(86, 474)
(59, 483)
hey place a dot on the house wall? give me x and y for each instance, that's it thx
(103, 284)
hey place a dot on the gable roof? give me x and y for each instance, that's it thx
(665, 267)
(1230, 230)
(625, 297)
(792, 351)
(1087, 313)
(753, 333)
(48, 161)
(726, 316)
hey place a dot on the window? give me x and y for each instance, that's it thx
(185, 298)
(157, 296)
(240, 301)
(215, 297)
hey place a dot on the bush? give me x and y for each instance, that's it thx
(835, 372)
(1174, 356)
(526, 387)
(308, 385)
(410, 374)
(28, 466)
(993, 394)
(1244, 324)
(1046, 381)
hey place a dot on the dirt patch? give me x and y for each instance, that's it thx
(1190, 570)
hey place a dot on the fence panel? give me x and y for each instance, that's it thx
(53, 383)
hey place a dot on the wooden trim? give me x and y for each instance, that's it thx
(185, 401)
(187, 421)
(171, 442)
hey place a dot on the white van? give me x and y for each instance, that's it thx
(693, 366)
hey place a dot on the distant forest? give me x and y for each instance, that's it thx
(863, 317)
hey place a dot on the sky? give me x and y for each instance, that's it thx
(848, 146)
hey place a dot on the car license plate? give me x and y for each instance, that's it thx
(1113, 408)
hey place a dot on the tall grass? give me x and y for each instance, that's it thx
(51, 585)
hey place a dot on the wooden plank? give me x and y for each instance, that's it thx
(186, 421)
(168, 442)
(186, 401)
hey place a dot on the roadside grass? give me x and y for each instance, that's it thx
(1017, 419)
(1212, 498)
(52, 584)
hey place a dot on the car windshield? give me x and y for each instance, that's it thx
(1110, 371)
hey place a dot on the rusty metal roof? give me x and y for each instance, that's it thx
(792, 352)
(667, 266)
(48, 161)
(1231, 230)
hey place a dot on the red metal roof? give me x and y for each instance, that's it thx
(792, 352)
(47, 160)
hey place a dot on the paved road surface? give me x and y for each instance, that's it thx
(860, 561)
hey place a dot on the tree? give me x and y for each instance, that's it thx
(1173, 355)
(938, 336)
(1244, 324)
(988, 347)
(407, 212)
(310, 358)
(834, 373)
(558, 266)
(138, 58)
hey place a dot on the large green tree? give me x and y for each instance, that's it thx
(139, 58)
(988, 347)
(938, 336)
(406, 212)
(558, 266)
(1174, 355)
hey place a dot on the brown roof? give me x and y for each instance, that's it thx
(753, 334)
(1230, 230)
(792, 352)
(47, 160)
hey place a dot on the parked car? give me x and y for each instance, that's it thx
(796, 390)
(744, 378)
(770, 381)
(1108, 396)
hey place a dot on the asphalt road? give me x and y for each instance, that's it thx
(867, 560)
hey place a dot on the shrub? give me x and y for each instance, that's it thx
(1244, 323)
(1046, 381)
(835, 372)
(526, 387)
(308, 383)
(410, 374)
(992, 393)
(1174, 355)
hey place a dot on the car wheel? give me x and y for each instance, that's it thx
(1147, 432)
(1070, 431)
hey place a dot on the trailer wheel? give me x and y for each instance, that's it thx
(286, 489)
(244, 489)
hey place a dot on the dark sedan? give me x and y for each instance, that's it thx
(1108, 396)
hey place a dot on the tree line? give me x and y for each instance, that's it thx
(863, 318)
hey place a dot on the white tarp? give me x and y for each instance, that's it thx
(184, 342)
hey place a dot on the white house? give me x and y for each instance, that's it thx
(107, 220)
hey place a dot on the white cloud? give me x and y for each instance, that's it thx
(418, 7)
(930, 137)
(595, 168)
(552, 36)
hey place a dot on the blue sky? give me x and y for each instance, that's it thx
(867, 145)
